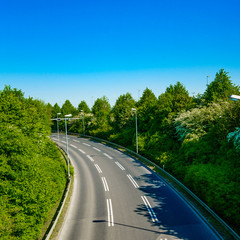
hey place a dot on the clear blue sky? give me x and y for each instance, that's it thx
(81, 50)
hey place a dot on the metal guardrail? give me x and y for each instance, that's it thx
(219, 224)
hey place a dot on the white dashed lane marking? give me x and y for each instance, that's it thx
(81, 151)
(96, 149)
(89, 157)
(98, 168)
(86, 144)
(73, 146)
(149, 208)
(106, 188)
(120, 166)
(133, 181)
(108, 156)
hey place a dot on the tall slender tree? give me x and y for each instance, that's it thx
(68, 108)
(56, 109)
(220, 88)
(122, 111)
(146, 110)
(175, 99)
(101, 117)
(83, 106)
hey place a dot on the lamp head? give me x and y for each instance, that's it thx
(234, 97)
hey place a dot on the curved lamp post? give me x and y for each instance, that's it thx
(67, 117)
(58, 126)
(135, 110)
(82, 113)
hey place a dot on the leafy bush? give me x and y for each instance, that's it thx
(32, 173)
(195, 123)
(214, 184)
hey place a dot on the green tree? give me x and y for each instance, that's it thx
(146, 110)
(122, 111)
(101, 109)
(56, 109)
(68, 108)
(179, 96)
(84, 118)
(83, 106)
(175, 99)
(220, 88)
(32, 174)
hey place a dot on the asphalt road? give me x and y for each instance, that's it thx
(117, 197)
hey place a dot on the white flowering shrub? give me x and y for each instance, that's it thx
(194, 124)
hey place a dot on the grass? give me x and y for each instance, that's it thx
(54, 212)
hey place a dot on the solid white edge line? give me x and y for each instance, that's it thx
(149, 211)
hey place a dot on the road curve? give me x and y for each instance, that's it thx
(117, 197)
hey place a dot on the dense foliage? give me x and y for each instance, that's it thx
(197, 139)
(32, 174)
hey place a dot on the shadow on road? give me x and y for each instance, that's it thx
(128, 226)
(175, 217)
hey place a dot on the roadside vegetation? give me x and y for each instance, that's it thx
(32, 172)
(196, 138)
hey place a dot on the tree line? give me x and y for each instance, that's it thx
(32, 171)
(196, 138)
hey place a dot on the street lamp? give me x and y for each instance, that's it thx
(82, 113)
(234, 97)
(67, 116)
(207, 80)
(135, 110)
(58, 126)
